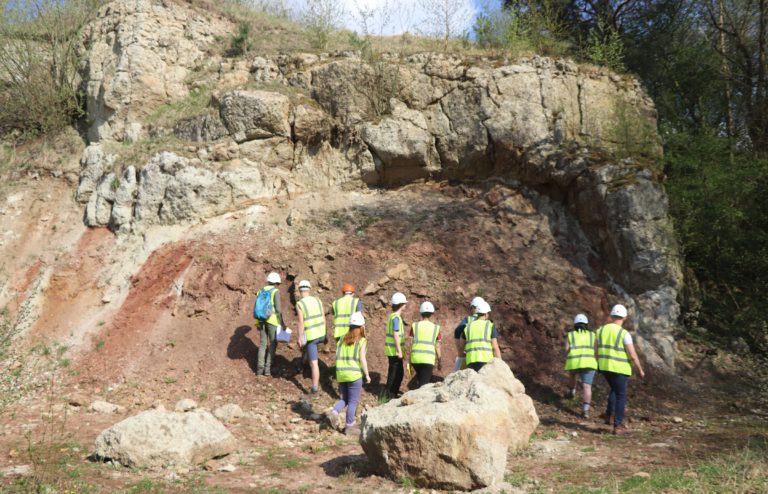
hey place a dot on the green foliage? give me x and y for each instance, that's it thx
(40, 55)
(529, 26)
(605, 47)
(633, 134)
(721, 213)
(241, 43)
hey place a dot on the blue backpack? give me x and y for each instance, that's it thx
(262, 309)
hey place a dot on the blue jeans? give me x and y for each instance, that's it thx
(617, 399)
(350, 396)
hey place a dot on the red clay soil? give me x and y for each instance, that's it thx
(452, 249)
(73, 286)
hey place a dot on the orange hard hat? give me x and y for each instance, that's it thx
(348, 288)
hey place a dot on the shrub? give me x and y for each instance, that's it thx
(241, 43)
(605, 47)
(40, 53)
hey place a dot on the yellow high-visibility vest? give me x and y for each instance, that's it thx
(314, 318)
(478, 347)
(581, 350)
(343, 308)
(611, 354)
(390, 348)
(424, 342)
(349, 366)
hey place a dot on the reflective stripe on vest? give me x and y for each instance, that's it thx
(314, 319)
(478, 347)
(343, 308)
(581, 351)
(390, 348)
(348, 364)
(611, 354)
(424, 341)
(273, 320)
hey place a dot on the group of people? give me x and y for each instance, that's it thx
(608, 350)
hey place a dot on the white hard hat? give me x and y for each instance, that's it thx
(304, 284)
(398, 298)
(580, 319)
(483, 307)
(619, 311)
(476, 301)
(427, 308)
(357, 319)
(273, 278)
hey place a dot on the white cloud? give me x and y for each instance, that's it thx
(399, 16)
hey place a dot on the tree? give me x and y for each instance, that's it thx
(40, 53)
(447, 19)
(321, 17)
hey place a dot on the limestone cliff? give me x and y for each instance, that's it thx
(295, 123)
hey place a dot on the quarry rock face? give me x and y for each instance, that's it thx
(159, 439)
(455, 434)
(334, 121)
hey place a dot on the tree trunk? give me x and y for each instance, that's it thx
(723, 49)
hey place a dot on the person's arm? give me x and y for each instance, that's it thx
(364, 364)
(300, 315)
(496, 350)
(278, 309)
(457, 336)
(633, 355)
(437, 352)
(396, 330)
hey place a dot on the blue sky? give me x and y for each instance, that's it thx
(398, 16)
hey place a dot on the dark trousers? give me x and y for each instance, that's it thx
(617, 399)
(476, 366)
(423, 373)
(394, 375)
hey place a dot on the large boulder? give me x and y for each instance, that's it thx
(158, 439)
(249, 115)
(455, 434)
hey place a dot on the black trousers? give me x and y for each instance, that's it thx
(423, 373)
(476, 366)
(394, 375)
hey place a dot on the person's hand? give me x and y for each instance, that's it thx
(400, 355)
(367, 379)
(325, 340)
(642, 373)
(439, 365)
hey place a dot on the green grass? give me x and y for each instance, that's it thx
(169, 380)
(741, 472)
(99, 345)
(516, 479)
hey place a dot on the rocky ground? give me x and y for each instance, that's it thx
(148, 320)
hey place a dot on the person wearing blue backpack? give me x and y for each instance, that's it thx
(269, 317)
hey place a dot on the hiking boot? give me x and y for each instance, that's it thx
(607, 419)
(620, 430)
(585, 414)
(260, 371)
(332, 418)
(352, 430)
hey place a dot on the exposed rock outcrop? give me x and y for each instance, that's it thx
(157, 439)
(324, 121)
(452, 435)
